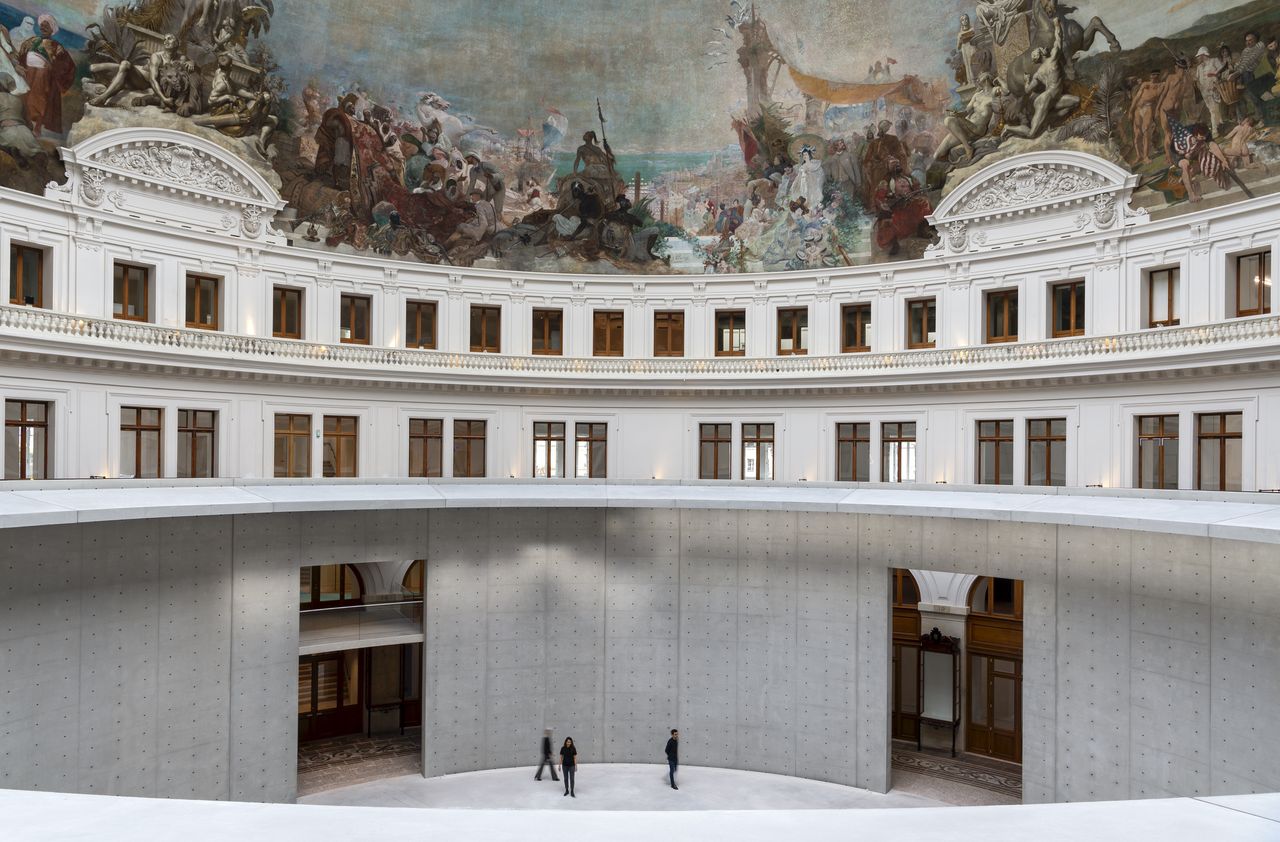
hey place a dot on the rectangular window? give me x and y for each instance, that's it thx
(468, 448)
(26, 275)
(1002, 316)
(995, 453)
(420, 324)
(793, 330)
(606, 333)
(592, 449)
(1253, 284)
(731, 333)
(354, 321)
(1158, 451)
(1068, 309)
(131, 290)
(286, 313)
(140, 432)
(853, 452)
(197, 443)
(668, 334)
(855, 328)
(548, 449)
(293, 446)
(340, 445)
(486, 329)
(922, 323)
(1047, 451)
(1162, 297)
(426, 447)
(757, 451)
(202, 302)
(898, 451)
(26, 440)
(1219, 456)
(715, 444)
(548, 332)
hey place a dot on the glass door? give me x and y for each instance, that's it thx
(995, 707)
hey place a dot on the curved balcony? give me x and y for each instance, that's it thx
(1235, 341)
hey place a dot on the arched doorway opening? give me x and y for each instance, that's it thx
(906, 655)
(993, 634)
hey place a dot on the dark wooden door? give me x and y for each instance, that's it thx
(330, 702)
(995, 706)
(906, 675)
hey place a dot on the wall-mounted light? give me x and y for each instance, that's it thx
(1095, 485)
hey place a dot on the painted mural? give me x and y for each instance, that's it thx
(597, 136)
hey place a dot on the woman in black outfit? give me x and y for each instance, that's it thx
(568, 764)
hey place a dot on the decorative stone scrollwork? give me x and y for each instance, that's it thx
(957, 234)
(178, 164)
(251, 220)
(1104, 210)
(91, 190)
(1030, 185)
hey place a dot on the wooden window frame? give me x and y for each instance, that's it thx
(191, 427)
(554, 432)
(735, 318)
(988, 610)
(19, 285)
(754, 433)
(1263, 292)
(1047, 438)
(192, 288)
(668, 327)
(485, 313)
(899, 437)
(123, 315)
(798, 332)
(1221, 438)
(417, 573)
(710, 433)
(900, 577)
(1173, 275)
(138, 428)
(1077, 291)
(994, 439)
(348, 308)
(424, 434)
(278, 296)
(551, 317)
(861, 344)
(293, 438)
(25, 427)
(1007, 301)
(924, 306)
(415, 314)
(345, 436)
(854, 441)
(602, 324)
(315, 602)
(591, 440)
(1162, 437)
(467, 434)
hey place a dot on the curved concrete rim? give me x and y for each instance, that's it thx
(1245, 517)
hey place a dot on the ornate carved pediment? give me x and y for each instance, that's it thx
(1034, 198)
(170, 178)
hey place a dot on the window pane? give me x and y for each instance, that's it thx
(1004, 702)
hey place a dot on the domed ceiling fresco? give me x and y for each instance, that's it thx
(599, 136)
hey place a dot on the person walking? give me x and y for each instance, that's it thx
(673, 756)
(568, 765)
(547, 759)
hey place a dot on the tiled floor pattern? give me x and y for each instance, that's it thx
(329, 764)
(964, 780)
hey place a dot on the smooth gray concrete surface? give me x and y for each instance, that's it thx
(158, 656)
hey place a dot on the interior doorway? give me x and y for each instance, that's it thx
(956, 681)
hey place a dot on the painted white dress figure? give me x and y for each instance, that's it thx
(809, 179)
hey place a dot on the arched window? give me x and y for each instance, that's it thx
(906, 593)
(412, 583)
(996, 597)
(329, 586)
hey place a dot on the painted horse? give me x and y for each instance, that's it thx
(1076, 39)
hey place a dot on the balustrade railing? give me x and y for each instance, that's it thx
(30, 321)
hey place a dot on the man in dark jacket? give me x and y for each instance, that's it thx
(547, 759)
(673, 755)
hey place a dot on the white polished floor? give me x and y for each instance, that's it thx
(614, 786)
(30, 816)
